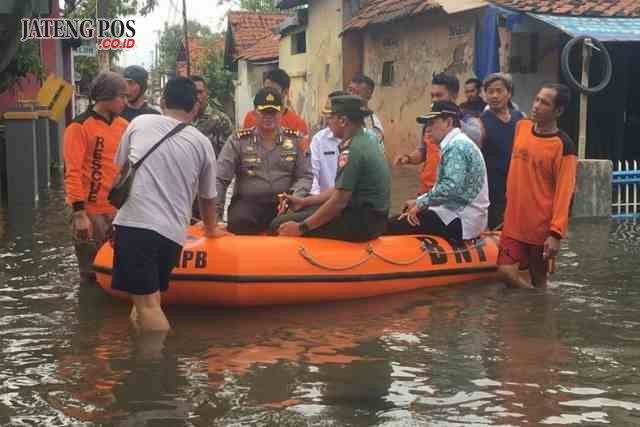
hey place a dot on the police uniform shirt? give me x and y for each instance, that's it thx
(262, 174)
(324, 160)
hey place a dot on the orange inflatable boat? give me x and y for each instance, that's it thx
(237, 271)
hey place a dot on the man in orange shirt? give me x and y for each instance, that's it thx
(444, 87)
(540, 186)
(90, 144)
(279, 80)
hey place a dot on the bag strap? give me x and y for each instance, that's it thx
(171, 133)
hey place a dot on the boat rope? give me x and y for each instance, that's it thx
(305, 254)
(404, 263)
(371, 252)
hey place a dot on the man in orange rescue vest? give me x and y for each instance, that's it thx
(90, 143)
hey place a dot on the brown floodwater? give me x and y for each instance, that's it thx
(473, 354)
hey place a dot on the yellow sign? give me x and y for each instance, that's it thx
(55, 95)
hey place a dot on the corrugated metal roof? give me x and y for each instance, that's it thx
(621, 8)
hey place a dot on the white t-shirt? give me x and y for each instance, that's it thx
(324, 160)
(166, 184)
(373, 124)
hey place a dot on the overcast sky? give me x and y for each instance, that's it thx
(206, 12)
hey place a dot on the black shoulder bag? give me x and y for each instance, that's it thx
(119, 193)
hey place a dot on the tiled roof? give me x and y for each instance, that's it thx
(621, 8)
(249, 28)
(264, 50)
(383, 11)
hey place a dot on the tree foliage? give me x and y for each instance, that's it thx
(117, 8)
(26, 61)
(219, 80)
(259, 5)
(86, 9)
(171, 40)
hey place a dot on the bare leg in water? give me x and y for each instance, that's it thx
(510, 275)
(147, 313)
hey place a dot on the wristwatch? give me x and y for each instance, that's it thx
(303, 227)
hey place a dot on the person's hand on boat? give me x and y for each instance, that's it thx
(551, 248)
(216, 233)
(411, 215)
(283, 203)
(81, 225)
(409, 204)
(294, 203)
(290, 228)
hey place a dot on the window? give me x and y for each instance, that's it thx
(298, 42)
(327, 72)
(387, 73)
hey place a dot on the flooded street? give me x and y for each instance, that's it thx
(474, 354)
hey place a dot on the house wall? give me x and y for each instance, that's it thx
(418, 47)
(247, 85)
(296, 66)
(318, 72)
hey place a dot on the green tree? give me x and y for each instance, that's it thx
(26, 61)
(117, 8)
(219, 80)
(259, 5)
(171, 40)
(86, 9)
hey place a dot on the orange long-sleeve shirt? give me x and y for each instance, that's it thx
(290, 120)
(90, 144)
(540, 185)
(429, 173)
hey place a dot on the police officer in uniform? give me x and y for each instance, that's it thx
(356, 208)
(267, 161)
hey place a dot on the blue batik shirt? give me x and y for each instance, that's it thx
(461, 189)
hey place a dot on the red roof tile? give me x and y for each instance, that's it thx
(621, 8)
(264, 50)
(383, 11)
(249, 28)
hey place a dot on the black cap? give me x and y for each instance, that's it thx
(138, 75)
(440, 109)
(347, 104)
(268, 99)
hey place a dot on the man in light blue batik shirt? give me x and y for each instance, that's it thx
(457, 205)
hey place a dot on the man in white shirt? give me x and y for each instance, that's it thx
(363, 86)
(150, 228)
(324, 154)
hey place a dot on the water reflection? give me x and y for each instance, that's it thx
(476, 354)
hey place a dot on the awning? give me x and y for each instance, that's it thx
(603, 29)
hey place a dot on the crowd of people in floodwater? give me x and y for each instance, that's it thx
(486, 166)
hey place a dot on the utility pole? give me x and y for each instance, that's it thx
(186, 36)
(102, 12)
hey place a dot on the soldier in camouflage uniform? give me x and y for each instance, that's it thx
(267, 161)
(211, 120)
